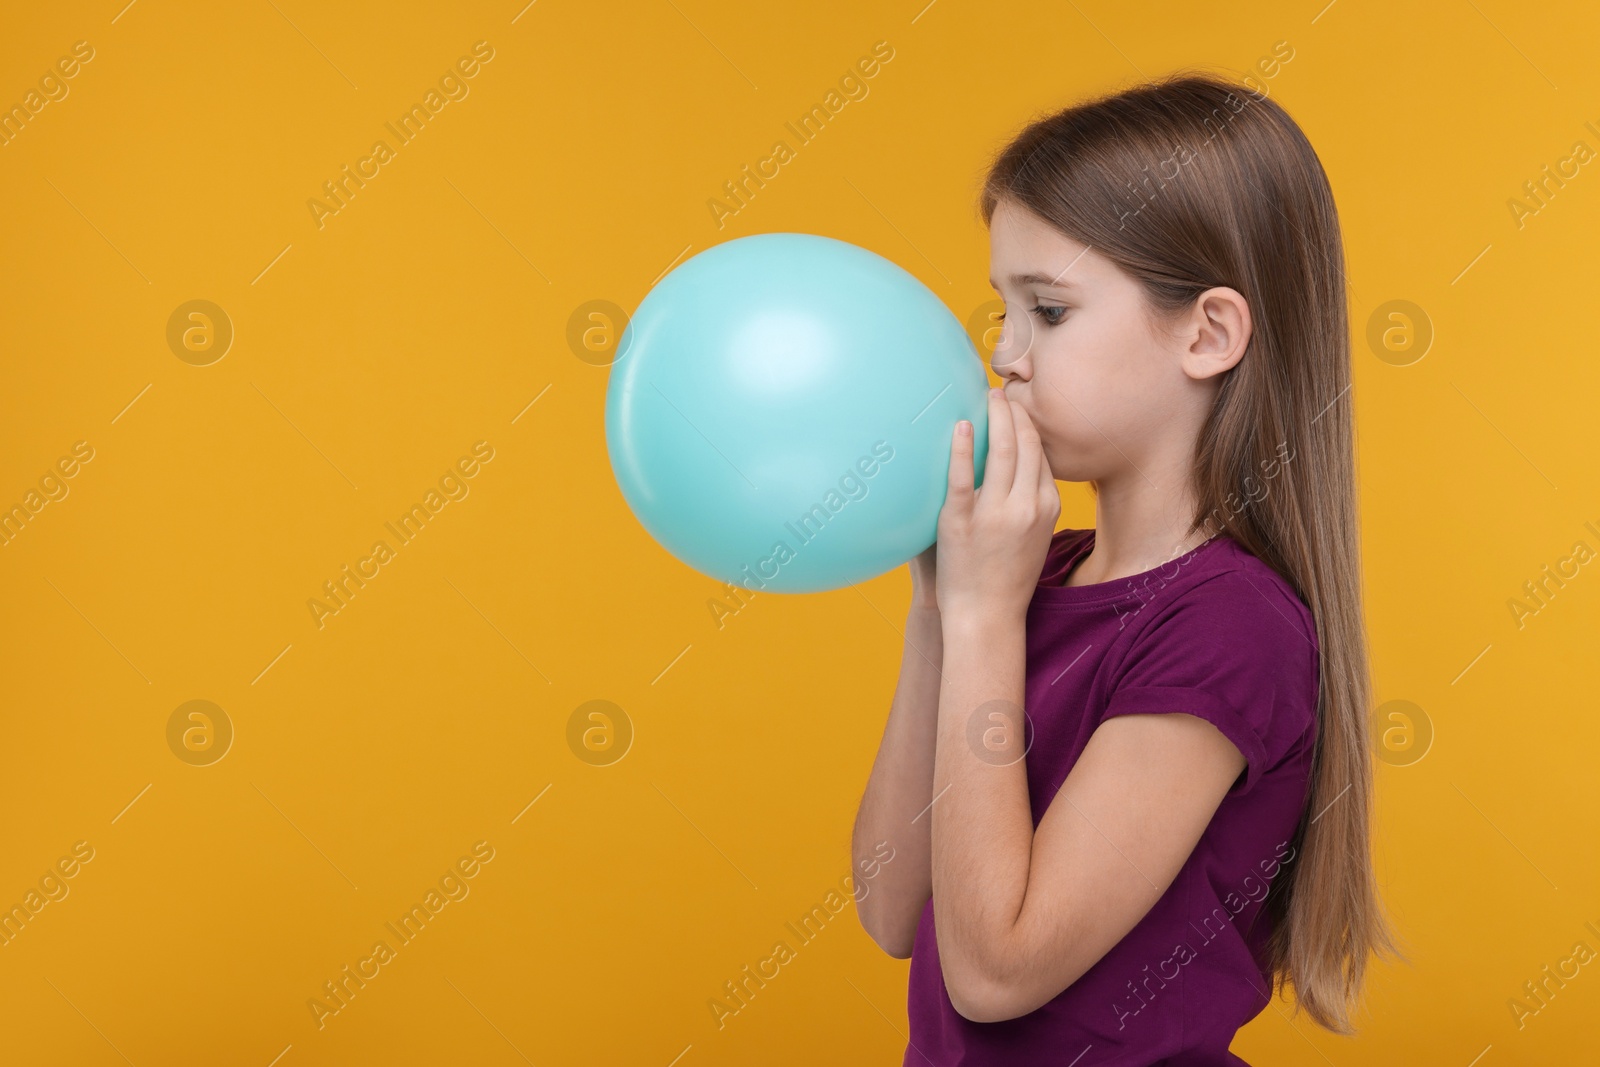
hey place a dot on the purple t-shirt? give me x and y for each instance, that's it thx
(1215, 633)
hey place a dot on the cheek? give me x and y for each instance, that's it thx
(1087, 405)
(1070, 429)
(1114, 375)
(1074, 384)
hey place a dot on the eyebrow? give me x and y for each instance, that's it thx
(1057, 282)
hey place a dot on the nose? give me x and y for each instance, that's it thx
(1010, 358)
(1008, 364)
(1005, 369)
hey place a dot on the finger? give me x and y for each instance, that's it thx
(959, 485)
(1000, 466)
(1030, 451)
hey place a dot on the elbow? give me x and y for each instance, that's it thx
(898, 948)
(986, 999)
(1003, 977)
(993, 989)
(896, 942)
(981, 1001)
(978, 993)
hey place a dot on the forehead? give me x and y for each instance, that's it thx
(1025, 250)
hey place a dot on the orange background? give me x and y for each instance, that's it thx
(431, 712)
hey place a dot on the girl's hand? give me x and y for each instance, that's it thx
(993, 541)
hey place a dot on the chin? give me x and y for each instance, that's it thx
(1068, 471)
(1058, 470)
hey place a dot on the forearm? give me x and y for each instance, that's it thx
(982, 841)
(895, 806)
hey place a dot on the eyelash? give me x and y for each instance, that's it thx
(1040, 309)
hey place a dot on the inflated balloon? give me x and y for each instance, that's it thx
(780, 412)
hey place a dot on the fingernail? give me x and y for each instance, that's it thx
(996, 391)
(964, 428)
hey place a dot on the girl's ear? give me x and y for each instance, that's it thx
(1216, 333)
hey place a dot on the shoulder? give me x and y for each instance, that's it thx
(1228, 587)
(1225, 616)
(1229, 641)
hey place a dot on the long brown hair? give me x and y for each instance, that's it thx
(1187, 183)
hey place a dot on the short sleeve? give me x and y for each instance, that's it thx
(1234, 651)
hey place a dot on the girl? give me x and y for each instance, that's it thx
(1125, 773)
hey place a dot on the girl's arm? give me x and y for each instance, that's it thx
(894, 809)
(1021, 914)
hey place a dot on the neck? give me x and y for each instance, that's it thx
(1140, 523)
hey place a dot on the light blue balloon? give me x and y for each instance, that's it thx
(780, 412)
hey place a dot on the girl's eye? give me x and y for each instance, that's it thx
(1042, 310)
